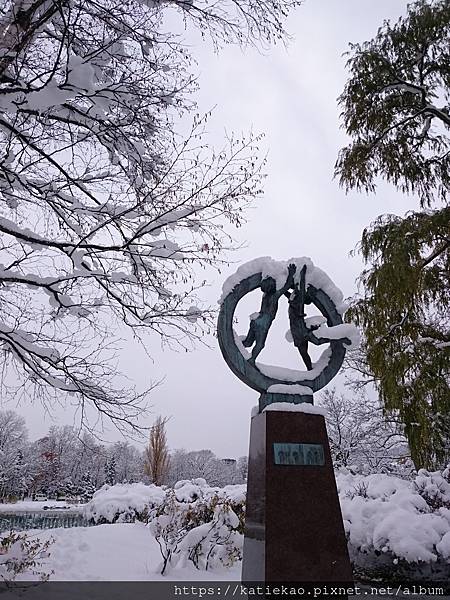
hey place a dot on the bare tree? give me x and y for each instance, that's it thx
(242, 467)
(156, 454)
(13, 439)
(105, 209)
(13, 431)
(129, 464)
(202, 464)
(359, 433)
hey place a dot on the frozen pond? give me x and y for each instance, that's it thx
(29, 514)
(21, 521)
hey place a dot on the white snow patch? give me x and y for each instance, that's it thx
(283, 388)
(119, 552)
(294, 375)
(338, 332)
(315, 321)
(38, 506)
(303, 407)
(278, 270)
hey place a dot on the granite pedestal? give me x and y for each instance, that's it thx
(294, 530)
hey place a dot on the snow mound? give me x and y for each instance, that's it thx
(123, 502)
(390, 521)
(198, 489)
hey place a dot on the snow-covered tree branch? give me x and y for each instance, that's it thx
(105, 208)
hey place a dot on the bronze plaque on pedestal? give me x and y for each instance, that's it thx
(298, 454)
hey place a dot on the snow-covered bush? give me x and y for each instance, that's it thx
(394, 527)
(200, 524)
(217, 542)
(434, 487)
(20, 553)
(194, 489)
(166, 524)
(123, 503)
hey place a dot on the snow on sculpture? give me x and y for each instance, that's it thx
(302, 284)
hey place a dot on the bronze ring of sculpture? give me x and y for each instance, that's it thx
(245, 367)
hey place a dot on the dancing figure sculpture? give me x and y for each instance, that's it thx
(261, 322)
(302, 284)
(301, 333)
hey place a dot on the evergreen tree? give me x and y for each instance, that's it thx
(70, 489)
(396, 108)
(110, 471)
(19, 483)
(87, 488)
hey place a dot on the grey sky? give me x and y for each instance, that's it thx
(291, 96)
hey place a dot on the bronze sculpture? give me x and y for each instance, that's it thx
(296, 286)
(260, 324)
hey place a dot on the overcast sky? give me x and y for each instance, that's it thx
(290, 95)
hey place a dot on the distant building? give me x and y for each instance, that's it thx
(231, 462)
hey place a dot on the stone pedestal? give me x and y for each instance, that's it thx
(294, 530)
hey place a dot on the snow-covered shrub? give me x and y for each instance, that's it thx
(167, 524)
(360, 489)
(393, 528)
(396, 528)
(200, 524)
(216, 542)
(197, 489)
(188, 490)
(123, 503)
(20, 553)
(434, 488)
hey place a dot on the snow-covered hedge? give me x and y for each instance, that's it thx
(397, 527)
(128, 502)
(123, 503)
(191, 522)
(192, 490)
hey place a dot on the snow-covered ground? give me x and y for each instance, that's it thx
(34, 506)
(119, 552)
(395, 528)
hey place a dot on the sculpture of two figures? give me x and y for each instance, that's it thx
(301, 333)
